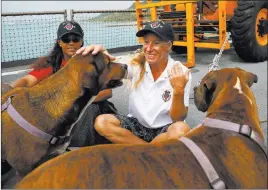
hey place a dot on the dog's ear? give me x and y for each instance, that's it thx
(251, 78)
(248, 77)
(99, 60)
(210, 84)
(204, 92)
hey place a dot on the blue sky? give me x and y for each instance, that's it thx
(33, 6)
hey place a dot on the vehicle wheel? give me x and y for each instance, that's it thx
(249, 42)
(180, 49)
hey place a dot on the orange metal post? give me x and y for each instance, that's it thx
(139, 20)
(138, 13)
(190, 35)
(153, 11)
(222, 24)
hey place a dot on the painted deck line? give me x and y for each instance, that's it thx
(14, 72)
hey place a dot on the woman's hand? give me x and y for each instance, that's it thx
(178, 79)
(94, 49)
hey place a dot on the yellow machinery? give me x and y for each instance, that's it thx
(204, 24)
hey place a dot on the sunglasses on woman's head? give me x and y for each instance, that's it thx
(67, 38)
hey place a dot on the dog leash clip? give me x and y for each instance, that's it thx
(58, 140)
(245, 130)
(218, 184)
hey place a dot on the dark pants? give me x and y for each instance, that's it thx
(85, 133)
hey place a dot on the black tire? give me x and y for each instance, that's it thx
(243, 31)
(180, 49)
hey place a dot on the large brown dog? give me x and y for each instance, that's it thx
(53, 106)
(240, 162)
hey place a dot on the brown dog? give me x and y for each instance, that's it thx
(239, 161)
(52, 106)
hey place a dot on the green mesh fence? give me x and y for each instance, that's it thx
(27, 36)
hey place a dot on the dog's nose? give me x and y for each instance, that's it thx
(124, 66)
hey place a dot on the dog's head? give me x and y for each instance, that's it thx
(100, 73)
(216, 81)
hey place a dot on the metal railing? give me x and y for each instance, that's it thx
(29, 35)
(112, 28)
(35, 13)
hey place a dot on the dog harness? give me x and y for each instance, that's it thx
(215, 181)
(29, 127)
(241, 129)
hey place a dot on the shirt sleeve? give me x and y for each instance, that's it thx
(42, 73)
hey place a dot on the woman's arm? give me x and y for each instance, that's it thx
(26, 81)
(178, 81)
(104, 95)
(94, 49)
(178, 110)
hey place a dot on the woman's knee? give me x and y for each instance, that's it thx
(101, 121)
(177, 130)
(104, 121)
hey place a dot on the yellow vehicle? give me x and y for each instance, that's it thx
(204, 24)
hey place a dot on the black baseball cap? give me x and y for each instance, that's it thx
(160, 28)
(67, 27)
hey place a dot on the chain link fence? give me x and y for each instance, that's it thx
(112, 28)
(29, 35)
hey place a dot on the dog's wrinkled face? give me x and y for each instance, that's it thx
(216, 81)
(99, 73)
(112, 72)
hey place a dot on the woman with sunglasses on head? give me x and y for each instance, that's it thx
(69, 40)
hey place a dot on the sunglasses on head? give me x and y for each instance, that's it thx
(67, 38)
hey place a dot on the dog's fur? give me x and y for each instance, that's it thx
(237, 159)
(52, 106)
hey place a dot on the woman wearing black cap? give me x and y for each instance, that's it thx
(69, 40)
(159, 100)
